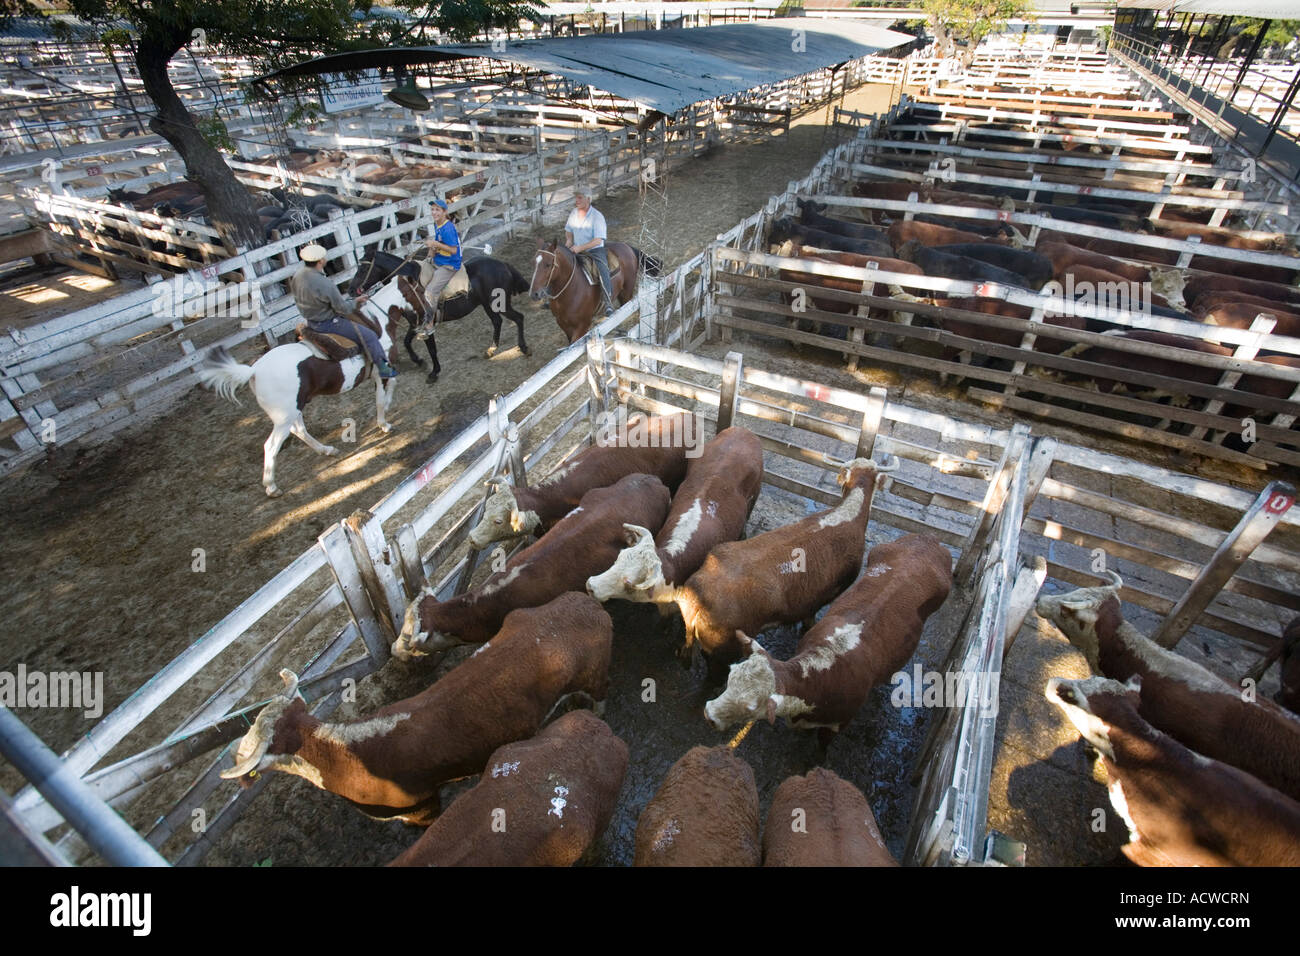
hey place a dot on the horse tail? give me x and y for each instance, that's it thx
(517, 282)
(653, 265)
(221, 373)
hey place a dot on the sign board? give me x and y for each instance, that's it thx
(338, 93)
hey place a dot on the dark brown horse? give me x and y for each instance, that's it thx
(574, 299)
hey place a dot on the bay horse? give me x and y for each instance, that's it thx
(492, 283)
(286, 378)
(572, 297)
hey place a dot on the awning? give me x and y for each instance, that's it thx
(664, 70)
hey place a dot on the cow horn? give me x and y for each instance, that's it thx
(1115, 580)
(884, 469)
(637, 534)
(252, 748)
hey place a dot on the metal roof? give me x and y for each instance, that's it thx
(1263, 9)
(665, 70)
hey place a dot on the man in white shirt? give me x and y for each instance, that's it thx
(584, 232)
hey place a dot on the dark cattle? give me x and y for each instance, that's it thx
(810, 213)
(1008, 337)
(792, 250)
(1288, 694)
(948, 266)
(1030, 266)
(787, 229)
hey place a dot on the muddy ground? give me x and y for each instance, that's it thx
(99, 546)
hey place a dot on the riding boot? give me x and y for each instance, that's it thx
(430, 321)
(599, 256)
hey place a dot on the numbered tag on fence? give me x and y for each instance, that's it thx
(1279, 504)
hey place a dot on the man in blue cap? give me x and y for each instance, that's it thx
(445, 246)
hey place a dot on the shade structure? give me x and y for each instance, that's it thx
(664, 70)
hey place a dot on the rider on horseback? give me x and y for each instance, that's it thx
(585, 234)
(445, 245)
(326, 310)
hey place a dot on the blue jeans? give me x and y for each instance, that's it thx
(357, 333)
(598, 256)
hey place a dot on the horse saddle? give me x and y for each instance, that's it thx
(459, 284)
(332, 346)
(589, 266)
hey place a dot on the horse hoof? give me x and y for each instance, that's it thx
(490, 351)
(273, 492)
(431, 378)
(526, 350)
(330, 450)
(386, 428)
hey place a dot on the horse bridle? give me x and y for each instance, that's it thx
(396, 269)
(547, 294)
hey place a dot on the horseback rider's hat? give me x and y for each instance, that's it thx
(312, 253)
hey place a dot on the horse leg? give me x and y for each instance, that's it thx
(299, 429)
(383, 397)
(410, 337)
(517, 318)
(496, 333)
(431, 343)
(272, 448)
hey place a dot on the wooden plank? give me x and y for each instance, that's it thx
(1237, 547)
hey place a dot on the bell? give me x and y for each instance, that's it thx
(406, 94)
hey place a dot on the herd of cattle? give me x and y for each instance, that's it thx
(1211, 292)
(661, 520)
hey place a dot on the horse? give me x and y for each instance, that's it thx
(286, 378)
(575, 303)
(492, 283)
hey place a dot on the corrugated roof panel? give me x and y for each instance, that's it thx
(666, 70)
(1263, 9)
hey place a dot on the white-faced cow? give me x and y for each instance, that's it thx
(1202, 710)
(867, 634)
(586, 542)
(711, 506)
(392, 763)
(1181, 808)
(658, 445)
(785, 575)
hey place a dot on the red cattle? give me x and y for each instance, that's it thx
(822, 820)
(704, 814)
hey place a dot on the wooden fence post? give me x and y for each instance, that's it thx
(999, 484)
(1262, 517)
(729, 392)
(871, 418)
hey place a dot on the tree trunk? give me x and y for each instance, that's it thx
(231, 208)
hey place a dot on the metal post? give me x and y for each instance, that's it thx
(1254, 526)
(729, 393)
(871, 418)
(99, 825)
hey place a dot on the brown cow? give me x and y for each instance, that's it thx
(584, 543)
(704, 814)
(1204, 711)
(930, 234)
(782, 576)
(1008, 337)
(822, 820)
(392, 763)
(1241, 315)
(1217, 282)
(1213, 235)
(539, 802)
(662, 445)
(1063, 255)
(1181, 808)
(867, 634)
(711, 507)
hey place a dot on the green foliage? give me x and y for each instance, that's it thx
(266, 862)
(970, 21)
(215, 132)
(463, 20)
(16, 8)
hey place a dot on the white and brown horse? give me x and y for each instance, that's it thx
(573, 298)
(286, 378)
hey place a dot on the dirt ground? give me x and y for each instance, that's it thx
(99, 545)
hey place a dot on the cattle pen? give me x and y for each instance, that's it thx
(1020, 510)
(1014, 508)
